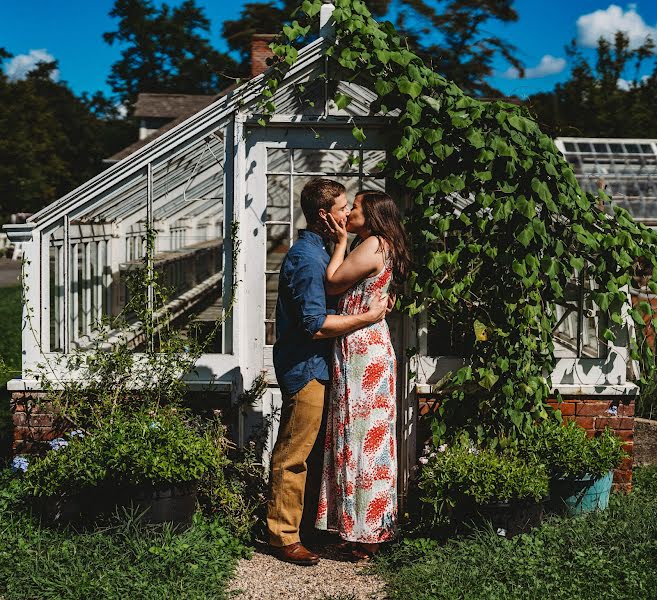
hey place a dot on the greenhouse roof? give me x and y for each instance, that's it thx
(626, 168)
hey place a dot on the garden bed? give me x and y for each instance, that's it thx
(604, 555)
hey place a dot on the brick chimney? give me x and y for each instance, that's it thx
(260, 52)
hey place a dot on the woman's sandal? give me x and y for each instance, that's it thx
(359, 553)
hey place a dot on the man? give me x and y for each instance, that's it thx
(305, 328)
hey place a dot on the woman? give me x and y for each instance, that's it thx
(358, 494)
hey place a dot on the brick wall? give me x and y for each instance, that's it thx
(593, 414)
(35, 421)
(260, 52)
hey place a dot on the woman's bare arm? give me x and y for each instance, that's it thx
(365, 260)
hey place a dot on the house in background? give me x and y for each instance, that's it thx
(200, 173)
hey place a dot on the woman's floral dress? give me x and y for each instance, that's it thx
(358, 494)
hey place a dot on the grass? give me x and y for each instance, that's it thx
(10, 357)
(10, 331)
(125, 560)
(606, 555)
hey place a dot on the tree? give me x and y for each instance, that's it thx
(165, 51)
(596, 101)
(50, 140)
(447, 34)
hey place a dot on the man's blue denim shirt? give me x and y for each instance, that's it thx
(300, 313)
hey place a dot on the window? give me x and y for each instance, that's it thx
(288, 170)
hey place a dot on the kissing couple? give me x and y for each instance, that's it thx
(334, 464)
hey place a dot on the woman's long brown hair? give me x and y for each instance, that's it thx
(383, 219)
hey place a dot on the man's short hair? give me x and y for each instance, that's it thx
(319, 193)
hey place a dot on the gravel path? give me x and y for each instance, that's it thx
(267, 578)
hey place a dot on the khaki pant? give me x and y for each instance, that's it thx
(297, 456)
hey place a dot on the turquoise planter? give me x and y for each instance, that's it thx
(579, 496)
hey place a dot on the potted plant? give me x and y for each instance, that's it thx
(150, 459)
(466, 483)
(581, 468)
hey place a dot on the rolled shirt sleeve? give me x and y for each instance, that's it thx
(306, 285)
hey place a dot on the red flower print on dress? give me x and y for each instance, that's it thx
(321, 508)
(376, 509)
(374, 437)
(373, 373)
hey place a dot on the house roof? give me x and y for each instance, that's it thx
(170, 105)
(148, 104)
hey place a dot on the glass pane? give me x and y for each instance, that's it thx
(56, 289)
(271, 296)
(375, 184)
(569, 147)
(188, 259)
(270, 333)
(278, 243)
(278, 160)
(602, 148)
(372, 161)
(584, 147)
(278, 198)
(326, 162)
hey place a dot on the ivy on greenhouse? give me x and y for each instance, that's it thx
(498, 223)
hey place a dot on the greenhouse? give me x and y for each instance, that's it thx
(222, 167)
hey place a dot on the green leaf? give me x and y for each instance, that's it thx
(410, 88)
(383, 87)
(475, 137)
(359, 134)
(342, 101)
(526, 236)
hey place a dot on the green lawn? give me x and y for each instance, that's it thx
(117, 562)
(10, 355)
(608, 555)
(10, 331)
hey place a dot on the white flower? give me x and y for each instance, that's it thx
(432, 455)
(76, 433)
(426, 450)
(442, 448)
(423, 460)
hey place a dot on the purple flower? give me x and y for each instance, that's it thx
(76, 433)
(19, 463)
(57, 443)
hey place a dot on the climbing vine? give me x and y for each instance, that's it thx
(498, 222)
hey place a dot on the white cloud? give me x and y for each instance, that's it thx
(19, 66)
(625, 84)
(605, 23)
(548, 65)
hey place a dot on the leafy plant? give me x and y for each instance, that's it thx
(481, 474)
(128, 449)
(567, 451)
(498, 222)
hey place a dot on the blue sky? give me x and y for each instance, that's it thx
(71, 32)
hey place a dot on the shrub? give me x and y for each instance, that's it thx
(480, 474)
(128, 449)
(568, 452)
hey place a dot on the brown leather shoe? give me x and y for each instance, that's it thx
(296, 554)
